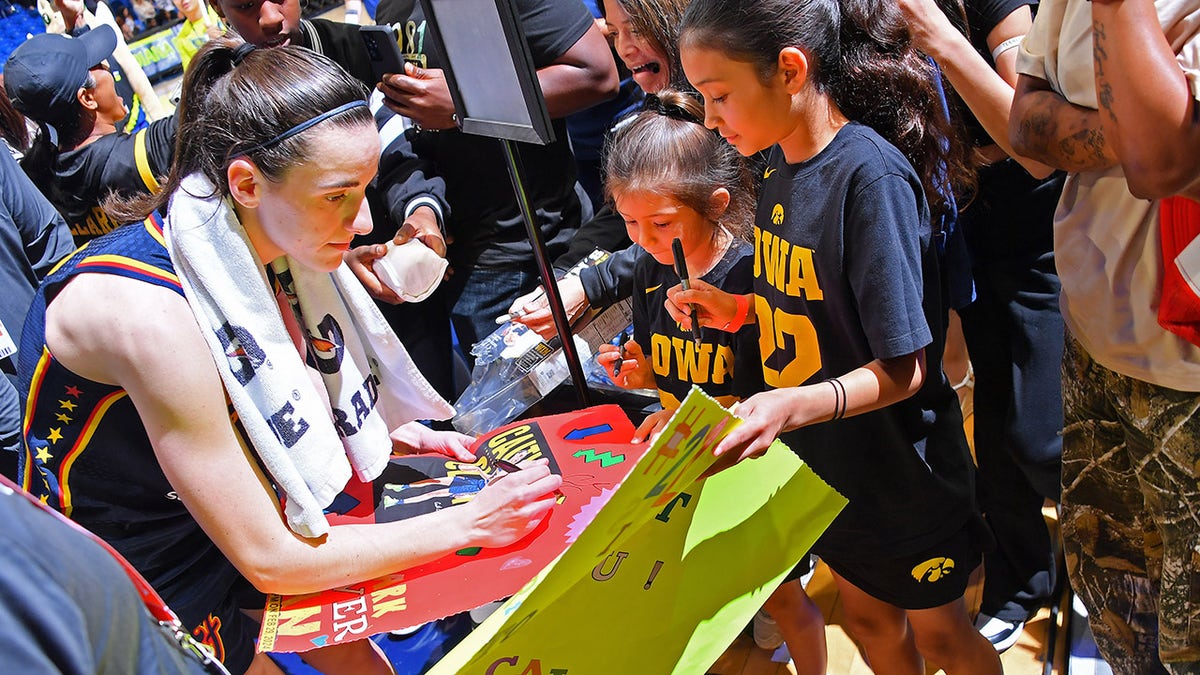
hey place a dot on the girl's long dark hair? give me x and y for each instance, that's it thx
(230, 106)
(861, 57)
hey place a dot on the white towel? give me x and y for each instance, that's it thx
(372, 384)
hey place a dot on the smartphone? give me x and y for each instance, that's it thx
(383, 50)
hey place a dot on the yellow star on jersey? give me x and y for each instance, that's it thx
(62, 417)
(55, 435)
(67, 405)
(43, 454)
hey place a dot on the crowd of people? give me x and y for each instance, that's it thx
(842, 178)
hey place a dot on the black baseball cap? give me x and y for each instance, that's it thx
(44, 74)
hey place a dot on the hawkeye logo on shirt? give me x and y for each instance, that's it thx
(777, 214)
(932, 570)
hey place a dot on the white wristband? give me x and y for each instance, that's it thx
(1005, 46)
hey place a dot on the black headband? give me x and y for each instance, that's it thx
(303, 126)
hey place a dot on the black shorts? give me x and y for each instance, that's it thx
(923, 580)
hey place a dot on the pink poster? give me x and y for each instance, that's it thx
(589, 448)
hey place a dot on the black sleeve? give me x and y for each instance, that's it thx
(406, 180)
(342, 45)
(984, 15)
(605, 231)
(612, 280)
(10, 425)
(552, 27)
(45, 234)
(160, 145)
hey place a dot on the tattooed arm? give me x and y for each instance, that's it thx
(1148, 110)
(1045, 126)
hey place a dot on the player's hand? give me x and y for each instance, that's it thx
(765, 416)
(420, 94)
(72, 13)
(416, 438)
(361, 261)
(512, 506)
(926, 22)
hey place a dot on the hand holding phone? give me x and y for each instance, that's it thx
(382, 49)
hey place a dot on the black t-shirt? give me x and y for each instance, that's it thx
(844, 274)
(1012, 214)
(342, 45)
(982, 18)
(725, 365)
(485, 219)
(129, 164)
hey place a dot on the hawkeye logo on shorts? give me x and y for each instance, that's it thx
(777, 214)
(933, 570)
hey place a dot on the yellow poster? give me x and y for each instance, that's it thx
(669, 570)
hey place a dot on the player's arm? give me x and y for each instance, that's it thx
(160, 357)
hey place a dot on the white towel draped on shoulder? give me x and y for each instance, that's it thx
(372, 384)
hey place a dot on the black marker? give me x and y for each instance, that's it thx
(682, 271)
(620, 352)
(508, 467)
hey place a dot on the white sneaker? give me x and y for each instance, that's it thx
(1002, 634)
(766, 631)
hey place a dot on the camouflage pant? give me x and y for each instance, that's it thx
(1131, 515)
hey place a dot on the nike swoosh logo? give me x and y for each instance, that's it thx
(767, 173)
(652, 289)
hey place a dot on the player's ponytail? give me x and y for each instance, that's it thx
(239, 100)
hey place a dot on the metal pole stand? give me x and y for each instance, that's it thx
(561, 323)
